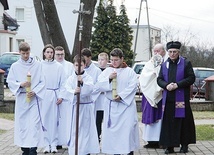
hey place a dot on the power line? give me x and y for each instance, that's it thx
(182, 15)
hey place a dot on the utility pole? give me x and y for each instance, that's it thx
(136, 37)
(149, 35)
(81, 12)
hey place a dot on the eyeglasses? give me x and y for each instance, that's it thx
(59, 55)
(174, 52)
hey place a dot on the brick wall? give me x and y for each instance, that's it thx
(200, 105)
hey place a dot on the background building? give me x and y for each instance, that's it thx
(8, 27)
(143, 46)
(24, 13)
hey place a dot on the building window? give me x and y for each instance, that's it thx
(10, 44)
(20, 14)
(18, 42)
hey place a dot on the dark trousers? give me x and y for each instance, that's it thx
(99, 120)
(29, 151)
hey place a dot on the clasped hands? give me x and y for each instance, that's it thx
(113, 75)
(28, 84)
(172, 86)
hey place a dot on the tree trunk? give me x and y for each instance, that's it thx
(51, 31)
(87, 27)
(42, 22)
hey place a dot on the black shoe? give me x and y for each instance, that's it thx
(152, 145)
(33, 151)
(162, 147)
(131, 153)
(184, 149)
(58, 147)
(169, 150)
(26, 151)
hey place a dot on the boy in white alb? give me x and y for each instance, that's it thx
(69, 70)
(120, 125)
(87, 137)
(54, 95)
(99, 96)
(28, 125)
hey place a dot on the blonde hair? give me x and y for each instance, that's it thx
(103, 54)
(24, 46)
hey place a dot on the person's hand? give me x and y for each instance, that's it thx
(77, 90)
(25, 84)
(175, 86)
(30, 94)
(79, 78)
(113, 75)
(169, 87)
(117, 98)
(59, 101)
(172, 86)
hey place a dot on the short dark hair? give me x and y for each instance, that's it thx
(117, 52)
(24, 46)
(59, 48)
(77, 57)
(86, 52)
(48, 46)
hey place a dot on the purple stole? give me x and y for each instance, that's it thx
(179, 92)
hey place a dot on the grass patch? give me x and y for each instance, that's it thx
(9, 116)
(2, 131)
(196, 114)
(203, 114)
(205, 132)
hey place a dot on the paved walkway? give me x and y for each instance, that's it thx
(8, 148)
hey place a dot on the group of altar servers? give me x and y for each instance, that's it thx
(49, 119)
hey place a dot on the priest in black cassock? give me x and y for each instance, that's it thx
(175, 77)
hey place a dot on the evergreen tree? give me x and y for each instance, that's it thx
(99, 34)
(111, 31)
(125, 35)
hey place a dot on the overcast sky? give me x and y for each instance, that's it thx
(196, 15)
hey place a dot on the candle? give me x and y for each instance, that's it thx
(114, 87)
(28, 89)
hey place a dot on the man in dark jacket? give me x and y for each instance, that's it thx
(175, 77)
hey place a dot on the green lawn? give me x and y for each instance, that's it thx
(203, 114)
(196, 114)
(2, 131)
(203, 132)
(9, 116)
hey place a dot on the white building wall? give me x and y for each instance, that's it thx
(29, 29)
(7, 38)
(7, 41)
(142, 45)
(1, 16)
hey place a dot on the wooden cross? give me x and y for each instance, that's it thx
(80, 12)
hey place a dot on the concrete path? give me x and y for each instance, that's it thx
(6, 124)
(7, 146)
